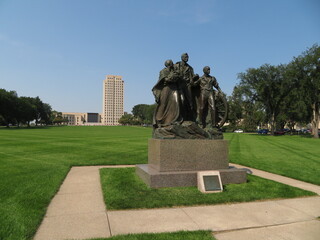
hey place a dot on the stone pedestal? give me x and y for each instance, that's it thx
(175, 162)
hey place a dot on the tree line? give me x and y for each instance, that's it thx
(142, 114)
(281, 95)
(17, 111)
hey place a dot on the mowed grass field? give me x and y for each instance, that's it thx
(292, 156)
(35, 161)
(123, 189)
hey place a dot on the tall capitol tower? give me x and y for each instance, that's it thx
(112, 100)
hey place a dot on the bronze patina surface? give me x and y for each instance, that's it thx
(186, 104)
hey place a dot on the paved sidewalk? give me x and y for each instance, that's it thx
(282, 179)
(217, 217)
(308, 230)
(78, 212)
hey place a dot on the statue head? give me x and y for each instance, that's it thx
(206, 70)
(168, 63)
(185, 57)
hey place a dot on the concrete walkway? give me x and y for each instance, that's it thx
(282, 179)
(78, 212)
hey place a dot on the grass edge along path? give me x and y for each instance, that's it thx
(123, 189)
(295, 157)
(181, 235)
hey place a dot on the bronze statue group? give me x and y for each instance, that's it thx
(184, 97)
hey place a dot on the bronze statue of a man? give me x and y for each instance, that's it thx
(207, 97)
(185, 83)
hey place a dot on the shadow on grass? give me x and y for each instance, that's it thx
(247, 170)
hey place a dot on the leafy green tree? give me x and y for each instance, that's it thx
(140, 111)
(244, 112)
(39, 109)
(46, 113)
(307, 71)
(8, 106)
(144, 113)
(18, 110)
(57, 118)
(294, 108)
(235, 114)
(149, 113)
(254, 116)
(2, 121)
(268, 85)
(26, 110)
(126, 119)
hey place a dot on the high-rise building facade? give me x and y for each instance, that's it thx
(112, 100)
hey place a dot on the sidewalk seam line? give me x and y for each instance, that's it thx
(257, 227)
(108, 220)
(190, 218)
(103, 202)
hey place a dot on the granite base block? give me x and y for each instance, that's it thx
(156, 179)
(187, 154)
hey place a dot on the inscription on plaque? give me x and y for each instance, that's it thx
(209, 182)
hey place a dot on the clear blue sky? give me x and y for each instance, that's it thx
(61, 50)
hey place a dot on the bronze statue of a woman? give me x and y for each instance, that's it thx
(168, 110)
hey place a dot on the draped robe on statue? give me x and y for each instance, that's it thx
(166, 92)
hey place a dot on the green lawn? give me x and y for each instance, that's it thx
(123, 189)
(182, 235)
(292, 156)
(35, 161)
